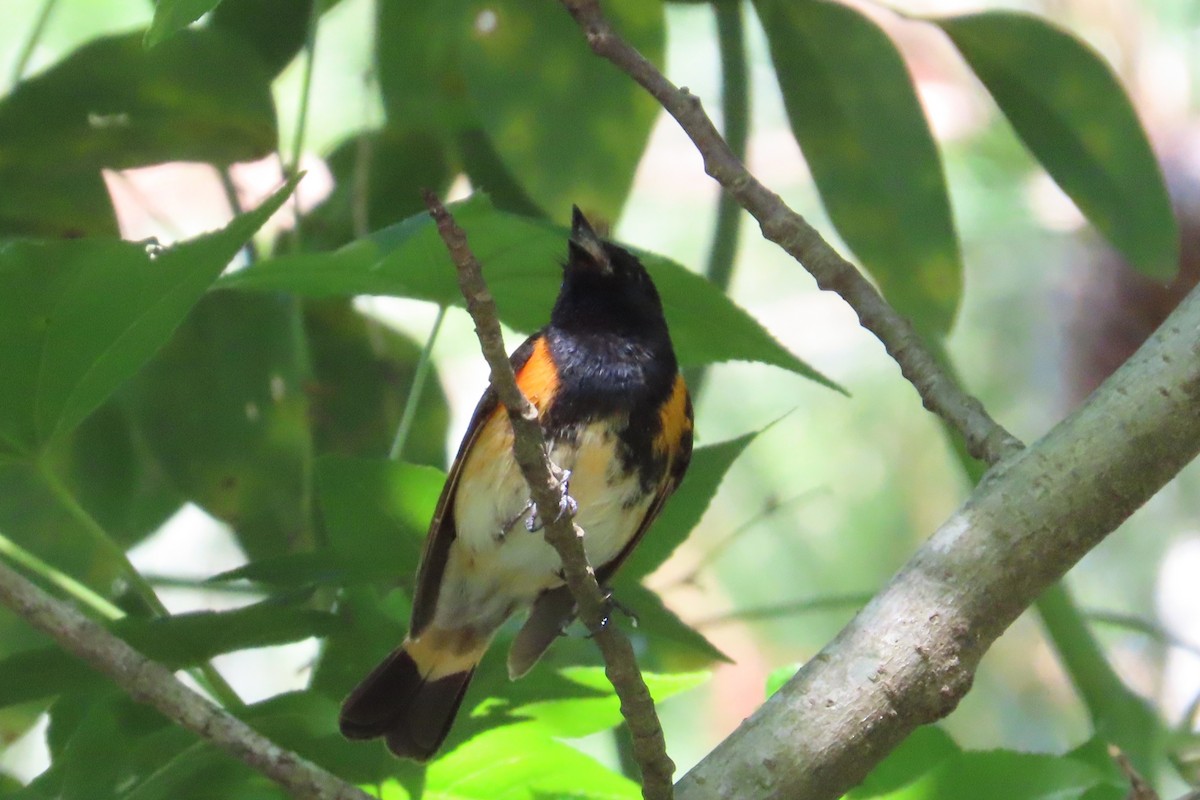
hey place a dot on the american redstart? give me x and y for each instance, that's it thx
(618, 419)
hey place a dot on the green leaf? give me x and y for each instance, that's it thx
(580, 716)
(290, 571)
(201, 96)
(1070, 110)
(685, 508)
(108, 467)
(378, 177)
(779, 676)
(276, 29)
(677, 646)
(377, 512)
(924, 749)
(233, 433)
(577, 138)
(855, 113)
(95, 756)
(520, 257)
(177, 641)
(522, 763)
(77, 318)
(362, 374)
(1001, 775)
(172, 16)
(416, 53)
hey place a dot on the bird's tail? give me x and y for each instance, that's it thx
(411, 698)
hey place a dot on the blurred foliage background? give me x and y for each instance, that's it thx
(254, 444)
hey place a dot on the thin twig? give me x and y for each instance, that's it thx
(546, 488)
(986, 440)
(151, 683)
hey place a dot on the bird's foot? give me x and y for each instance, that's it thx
(566, 506)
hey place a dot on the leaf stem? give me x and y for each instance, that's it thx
(209, 677)
(31, 42)
(83, 594)
(414, 391)
(310, 57)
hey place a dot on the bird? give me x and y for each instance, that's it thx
(617, 418)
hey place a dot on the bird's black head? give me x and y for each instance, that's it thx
(605, 288)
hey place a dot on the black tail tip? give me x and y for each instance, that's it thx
(412, 714)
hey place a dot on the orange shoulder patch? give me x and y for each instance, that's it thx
(674, 418)
(538, 378)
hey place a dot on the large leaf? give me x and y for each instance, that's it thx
(233, 433)
(520, 257)
(202, 96)
(276, 29)
(1070, 110)
(177, 641)
(675, 646)
(376, 512)
(378, 178)
(522, 763)
(685, 508)
(416, 53)
(580, 716)
(571, 130)
(362, 376)
(924, 749)
(1000, 775)
(856, 116)
(77, 318)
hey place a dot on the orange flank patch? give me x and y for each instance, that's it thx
(538, 379)
(440, 652)
(674, 419)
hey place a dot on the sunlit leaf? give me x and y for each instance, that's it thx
(575, 717)
(522, 763)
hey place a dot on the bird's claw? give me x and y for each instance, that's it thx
(612, 603)
(566, 506)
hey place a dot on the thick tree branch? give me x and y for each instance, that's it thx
(151, 683)
(985, 439)
(546, 489)
(910, 655)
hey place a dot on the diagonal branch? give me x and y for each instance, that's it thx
(985, 439)
(910, 655)
(151, 683)
(546, 489)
